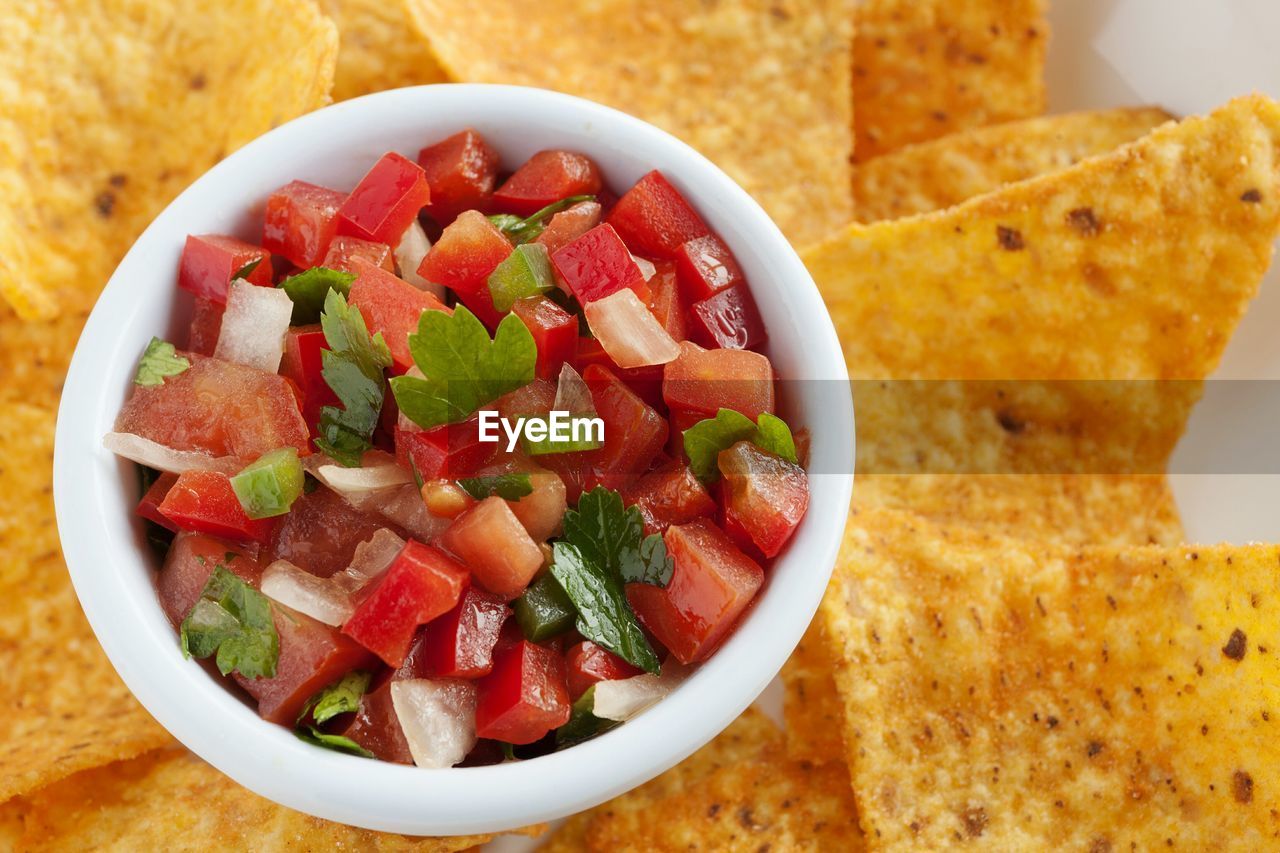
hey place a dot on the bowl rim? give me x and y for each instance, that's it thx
(377, 795)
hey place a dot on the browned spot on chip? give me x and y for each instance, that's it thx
(1237, 645)
(1010, 238)
(1083, 222)
(1242, 787)
(1253, 196)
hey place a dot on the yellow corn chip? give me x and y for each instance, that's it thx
(375, 50)
(186, 82)
(926, 68)
(759, 86)
(34, 355)
(1013, 696)
(943, 172)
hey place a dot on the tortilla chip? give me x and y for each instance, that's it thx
(1136, 264)
(1015, 696)
(34, 355)
(943, 172)
(11, 827)
(375, 51)
(926, 68)
(762, 87)
(187, 83)
(152, 802)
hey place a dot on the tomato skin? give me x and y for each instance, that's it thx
(654, 219)
(385, 201)
(392, 306)
(204, 502)
(149, 506)
(460, 643)
(320, 533)
(206, 325)
(210, 260)
(301, 364)
(706, 381)
(187, 567)
(376, 727)
(445, 452)
(667, 303)
(344, 250)
(730, 319)
(711, 586)
(598, 264)
(764, 498)
(525, 696)
(586, 664)
(461, 171)
(493, 543)
(706, 266)
(634, 433)
(672, 495)
(568, 225)
(300, 222)
(462, 259)
(420, 584)
(547, 177)
(554, 330)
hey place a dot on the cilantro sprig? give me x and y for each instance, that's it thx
(583, 724)
(531, 227)
(509, 487)
(704, 440)
(309, 290)
(247, 270)
(232, 620)
(159, 361)
(462, 368)
(341, 697)
(352, 366)
(338, 743)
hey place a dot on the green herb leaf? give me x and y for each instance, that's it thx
(509, 487)
(234, 620)
(604, 617)
(531, 227)
(338, 743)
(508, 751)
(612, 537)
(309, 291)
(704, 440)
(247, 270)
(655, 565)
(588, 438)
(159, 361)
(269, 486)
(341, 697)
(583, 724)
(352, 366)
(462, 368)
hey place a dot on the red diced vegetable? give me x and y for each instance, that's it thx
(525, 696)
(547, 177)
(598, 264)
(554, 330)
(300, 222)
(654, 219)
(460, 171)
(729, 319)
(420, 584)
(666, 302)
(681, 421)
(496, 547)
(590, 352)
(462, 259)
(321, 533)
(646, 382)
(568, 225)
(385, 201)
(460, 643)
(149, 506)
(445, 452)
(764, 496)
(541, 510)
(376, 727)
(634, 433)
(588, 663)
(301, 364)
(206, 325)
(209, 261)
(345, 249)
(709, 380)
(204, 502)
(711, 586)
(391, 306)
(187, 567)
(705, 267)
(669, 496)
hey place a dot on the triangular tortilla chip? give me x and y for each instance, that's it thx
(374, 52)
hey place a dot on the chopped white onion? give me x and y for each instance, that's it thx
(410, 251)
(625, 698)
(647, 269)
(319, 598)
(254, 325)
(572, 394)
(438, 718)
(371, 558)
(404, 507)
(357, 483)
(144, 451)
(629, 332)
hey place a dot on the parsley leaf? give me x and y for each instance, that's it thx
(159, 361)
(604, 617)
(309, 291)
(655, 565)
(531, 227)
(341, 697)
(704, 440)
(234, 620)
(352, 366)
(338, 743)
(247, 270)
(462, 368)
(509, 487)
(583, 723)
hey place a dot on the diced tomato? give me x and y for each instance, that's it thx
(672, 495)
(210, 260)
(312, 656)
(654, 219)
(598, 264)
(525, 696)
(536, 398)
(461, 260)
(392, 306)
(586, 663)
(496, 547)
(445, 452)
(709, 380)
(461, 172)
(554, 330)
(149, 506)
(730, 319)
(590, 352)
(385, 201)
(420, 584)
(634, 433)
(204, 502)
(764, 496)
(187, 567)
(300, 222)
(320, 533)
(206, 325)
(711, 586)
(376, 727)
(460, 643)
(681, 421)
(302, 364)
(345, 249)
(547, 177)
(666, 303)
(646, 382)
(568, 225)
(541, 510)
(706, 266)
(220, 407)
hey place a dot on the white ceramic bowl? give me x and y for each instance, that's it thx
(113, 572)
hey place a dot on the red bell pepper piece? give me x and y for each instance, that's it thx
(385, 201)
(300, 222)
(525, 696)
(634, 433)
(460, 643)
(764, 497)
(210, 260)
(420, 584)
(445, 452)
(568, 225)
(345, 249)
(672, 495)
(729, 319)
(206, 325)
(554, 330)
(462, 259)
(706, 266)
(654, 219)
(709, 380)
(586, 664)
(392, 306)
(547, 177)
(302, 364)
(377, 728)
(149, 506)
(191, 560)
(598, 264)
(204, 502)
(667, 303)
(460, 171)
